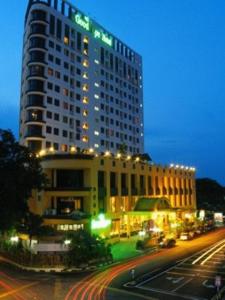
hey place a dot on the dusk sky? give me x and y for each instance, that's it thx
(182, 43)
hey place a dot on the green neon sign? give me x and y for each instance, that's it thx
(100, 223)
(85, 23)
(103, 37)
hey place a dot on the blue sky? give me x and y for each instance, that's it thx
(183, 47)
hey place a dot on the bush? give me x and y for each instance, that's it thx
(85, 248)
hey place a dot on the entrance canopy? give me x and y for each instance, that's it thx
(152, 204)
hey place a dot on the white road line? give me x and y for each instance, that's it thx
(205, 253)
(171, 293)
(192, 275)
(211, 255)
(183, 284)
(200, 270)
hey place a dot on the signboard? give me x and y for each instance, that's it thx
(98, 33)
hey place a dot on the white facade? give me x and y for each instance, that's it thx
(81, 86)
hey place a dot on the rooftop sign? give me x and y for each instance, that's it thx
(98, 33)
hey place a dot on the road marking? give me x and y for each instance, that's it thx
(201, 270)
(18, 290)
(208, 286)
(175, 279)
(172, 293)
(205, 253)
(183, 284)
(211, 255)
(183, 274)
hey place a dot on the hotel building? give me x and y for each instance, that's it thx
(81, 86)
(130, 192)
(81, 103)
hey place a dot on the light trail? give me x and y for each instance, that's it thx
(208, 251)
(96, 285)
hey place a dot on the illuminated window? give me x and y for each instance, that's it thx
(66, 40)
(96, 108)
(85, 87)
(85, 40)
(85, 126)
(96, 132)
(85, 75)
(96, 145)
(85, 52)
(65, 92)
(96, 84)
(86, 63)
(85, 100)
(96, 96)
(85, 113)
(85, 138)
(97, 61)
(50, 72)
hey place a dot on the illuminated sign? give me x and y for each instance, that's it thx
(82, 21)
(100, 223)
(85, 23)
(104, 37)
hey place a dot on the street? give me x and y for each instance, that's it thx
(187, 271)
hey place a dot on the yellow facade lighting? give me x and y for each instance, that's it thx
(118, 155)
(107, 153)
(73, 149)
(42, 153)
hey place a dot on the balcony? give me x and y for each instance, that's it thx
(37, 42)
(35, 101)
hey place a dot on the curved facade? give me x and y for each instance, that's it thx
(81, 86)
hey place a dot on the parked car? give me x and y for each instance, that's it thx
(168, 243)
(185, 236)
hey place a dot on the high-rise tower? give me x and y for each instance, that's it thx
(81, 86)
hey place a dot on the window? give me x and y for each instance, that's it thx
(78, 97)
(56, 117)
(65, 92)
(50, 72)
(56, 102)
(50, 57)
(51, 44)
(56, 131)
(58, 61)
(58, 48)
(59, 29)
(49, 100)
(57, 88)
(50, 86)
(48, 129)
(49, 115)
(52, 25)
(65, 133)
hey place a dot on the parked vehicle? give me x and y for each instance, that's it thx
(168, 243)
(185, 236)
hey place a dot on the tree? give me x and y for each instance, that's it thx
(20, 172)
(85, 247)
(33, 226)
(210, 195)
